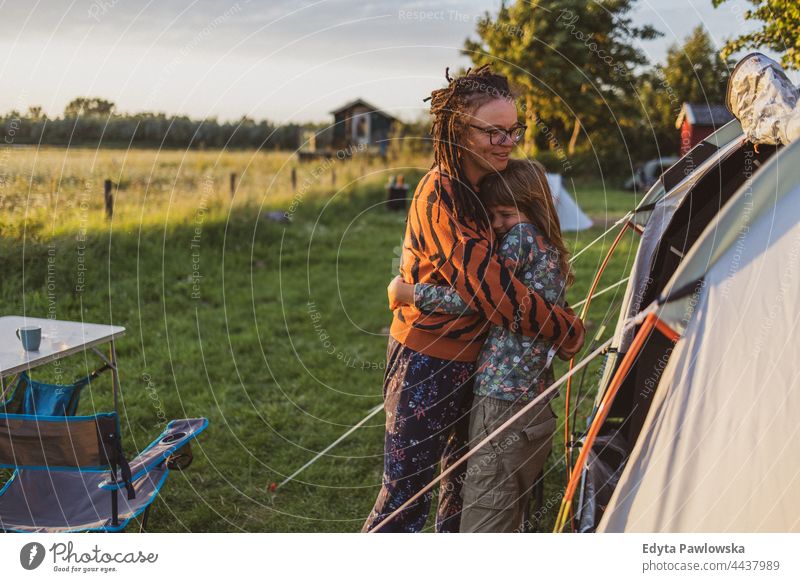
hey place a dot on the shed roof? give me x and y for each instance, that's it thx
(709, 114)
(369, 106)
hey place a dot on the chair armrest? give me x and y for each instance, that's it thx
(177, 435)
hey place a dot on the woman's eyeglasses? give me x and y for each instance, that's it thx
(499, 136)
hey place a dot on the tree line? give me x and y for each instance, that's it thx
(95, 122)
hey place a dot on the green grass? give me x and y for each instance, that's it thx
(280, 341)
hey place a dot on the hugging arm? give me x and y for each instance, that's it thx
(430, 298)
(465, 259)
(444, 299)
(440, 299)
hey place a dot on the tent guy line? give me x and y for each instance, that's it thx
(379, 407)
(494, 434)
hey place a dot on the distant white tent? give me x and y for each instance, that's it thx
(570, 215)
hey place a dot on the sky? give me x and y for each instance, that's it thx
(282, 60)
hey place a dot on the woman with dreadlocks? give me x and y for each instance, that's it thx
(430, 359)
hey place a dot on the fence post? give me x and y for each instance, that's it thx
(233, 184)
(109, 199)
(294, 179)
(333, 176)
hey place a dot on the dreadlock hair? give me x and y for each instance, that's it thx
(523, 185)
(451, 109)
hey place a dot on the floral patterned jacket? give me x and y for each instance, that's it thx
(511, 366)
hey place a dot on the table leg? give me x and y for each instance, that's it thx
(6, 386)
(115, 376)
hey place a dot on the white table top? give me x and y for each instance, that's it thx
(59, 339)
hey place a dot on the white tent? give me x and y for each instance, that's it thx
(655, 211)
(670, 216)
(570, 215)
(717, 450)
(697, 435)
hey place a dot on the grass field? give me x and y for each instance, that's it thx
(274, 332)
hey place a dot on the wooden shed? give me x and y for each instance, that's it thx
(699, 120)
(360, 124)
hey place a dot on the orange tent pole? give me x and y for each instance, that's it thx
(651, 322)
(583, 314)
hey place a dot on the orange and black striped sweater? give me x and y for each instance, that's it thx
(441, 250)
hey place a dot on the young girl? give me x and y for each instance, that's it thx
(512, 369)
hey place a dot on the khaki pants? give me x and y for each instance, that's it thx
(500, 477)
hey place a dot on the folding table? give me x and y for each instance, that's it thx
(60, 339)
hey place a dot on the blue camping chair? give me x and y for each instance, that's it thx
(29, 396)
(69, 470)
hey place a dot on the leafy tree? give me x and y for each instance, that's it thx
(573, 61)
(780, 30)
(89, 106)
(35, 112)
(693, 72)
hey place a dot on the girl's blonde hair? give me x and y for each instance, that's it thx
(523, 185)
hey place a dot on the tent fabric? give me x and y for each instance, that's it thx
(699, 168)
(570, 215)
(711, 454)
(713, 449)
(654, 214)
(732, 225)
(606, 459)
(684, 169)
(763, 98)
(657, 224)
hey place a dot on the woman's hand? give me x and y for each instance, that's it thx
(571, 346)
(400, 293)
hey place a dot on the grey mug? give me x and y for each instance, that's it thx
(30, 336)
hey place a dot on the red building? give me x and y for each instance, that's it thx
(697, 121)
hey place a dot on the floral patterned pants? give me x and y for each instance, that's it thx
(427, 403)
